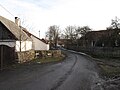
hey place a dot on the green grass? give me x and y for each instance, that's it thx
(39, 61)
(109, 71)
(109, 67)
(49, 59)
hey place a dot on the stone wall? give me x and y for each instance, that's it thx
(25, 56)
(32, 54)
(48, 53)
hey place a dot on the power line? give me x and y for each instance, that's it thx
(7, 10)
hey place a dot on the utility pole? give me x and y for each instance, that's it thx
(39, 33)
(1, 66)
(1, 62)
(20, 41)
(20, 44)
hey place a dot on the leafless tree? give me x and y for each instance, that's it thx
(73, 32)
(115, 24)
(83, 30)
(70, 32)
(53, 34)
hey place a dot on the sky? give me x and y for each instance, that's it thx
(38, 15)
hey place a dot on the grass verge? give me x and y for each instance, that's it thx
(109, 71)
(36, 61)
(109, 68)
(48, 59)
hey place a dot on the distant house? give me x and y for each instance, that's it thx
(101, 38)
(38, 44)
(64, 42)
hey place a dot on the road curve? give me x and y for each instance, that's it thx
(76, 72)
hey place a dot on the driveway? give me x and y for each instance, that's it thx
(76, 72)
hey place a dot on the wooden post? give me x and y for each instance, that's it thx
(1, 67)
(20, 45)
(20, 60)
(39, 33)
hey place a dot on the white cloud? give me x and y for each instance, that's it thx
(43, 13)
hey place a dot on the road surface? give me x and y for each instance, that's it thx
(76, 72)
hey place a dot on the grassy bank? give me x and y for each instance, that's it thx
(109, 67)
(37, 61)
(109, 71)
(49, 59)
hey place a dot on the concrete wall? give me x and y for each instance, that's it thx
(39, 45)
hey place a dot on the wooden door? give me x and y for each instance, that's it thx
(7, 55)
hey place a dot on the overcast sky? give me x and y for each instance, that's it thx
(40, 14)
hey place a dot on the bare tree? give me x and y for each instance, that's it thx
(115, 24)
(70, 35)
(70, 32)
(83, 30)
(53, 34)
(73, 34)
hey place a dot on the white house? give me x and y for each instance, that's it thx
(22, 41)
(38, 44)
(12, 39)
(15, 39)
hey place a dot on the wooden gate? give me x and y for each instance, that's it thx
(7, 56)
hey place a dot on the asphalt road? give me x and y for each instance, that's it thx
(76, 72)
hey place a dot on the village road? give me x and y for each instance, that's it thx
(76, 72)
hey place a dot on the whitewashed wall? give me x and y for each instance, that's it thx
(25, 45)
(39, 45)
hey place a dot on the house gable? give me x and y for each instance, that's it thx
(38, 44)
(5, 34)
(14, 29)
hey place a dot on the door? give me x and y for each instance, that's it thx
(7, 55)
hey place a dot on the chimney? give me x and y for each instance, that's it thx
(17, 21)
